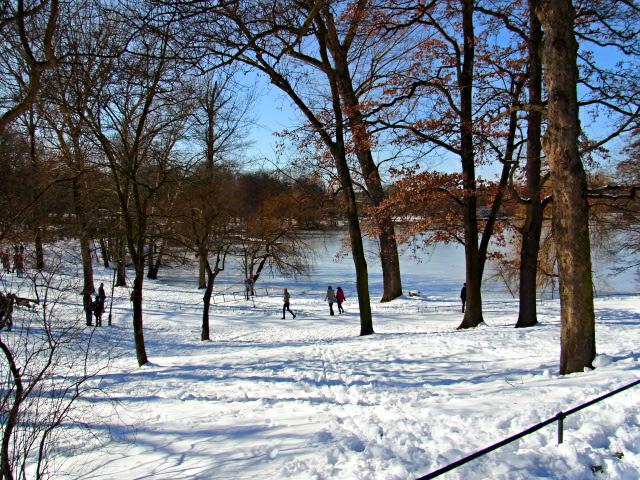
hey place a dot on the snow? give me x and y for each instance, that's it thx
(310, 399)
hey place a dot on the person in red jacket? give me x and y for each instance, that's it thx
(340, 298)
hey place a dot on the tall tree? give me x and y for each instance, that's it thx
(458, 82)
(260, 36)
(347, 42)
(570, 209)
(137, 115)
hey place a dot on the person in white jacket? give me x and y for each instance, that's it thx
(330, 297)
(285, 307)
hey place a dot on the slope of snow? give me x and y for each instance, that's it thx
(310, 399)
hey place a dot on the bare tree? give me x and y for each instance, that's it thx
(260, 36)
(137, 115)
(28, 30)
(49, 361)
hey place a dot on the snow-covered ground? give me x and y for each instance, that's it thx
(310, 399)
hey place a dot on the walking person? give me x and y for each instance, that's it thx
(463, 295)
(340, 298)
(330, 297)
(285, 307)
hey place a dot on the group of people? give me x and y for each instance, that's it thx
(335, 297)
(18, 260)
(339, 297)
(94, 307)
(331, 297)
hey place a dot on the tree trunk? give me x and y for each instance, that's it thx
(83, 235)
(152, 273)
(37, 231)
(570, 209)
(121, 272)
(473, 311)
(532, 229)
(357, 249)
(206, 299)
(202, 267)
(158, 262)
(104, 251)
(11, 417)
(136, 298)
(39, 248)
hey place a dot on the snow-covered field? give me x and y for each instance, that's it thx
(309, 399)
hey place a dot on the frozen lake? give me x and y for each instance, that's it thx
(437, 272)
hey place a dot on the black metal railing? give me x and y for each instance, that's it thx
(558, 418)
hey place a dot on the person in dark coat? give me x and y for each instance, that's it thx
(463, 295)
(330, 297)
(98, 308)
(339, 299)
(285, 307)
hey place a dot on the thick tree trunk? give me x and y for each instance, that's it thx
(473, 264)
(360, 263)
(532, 229)
(390, 260)
(527, 315)
(202, 267)
(570, 209)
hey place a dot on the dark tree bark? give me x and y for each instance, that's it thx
(10, 422)
(152, 273)
(221, 256)
(120, 259)
(570, 209)
(203, 254)
(206, 300)
(473, 311)
(532, 228)
(136, 299)
(85, 249)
